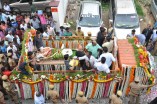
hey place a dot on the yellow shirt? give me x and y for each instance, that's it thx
(77, 33)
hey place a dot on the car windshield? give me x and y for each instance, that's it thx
(89, 20)
(126, 21)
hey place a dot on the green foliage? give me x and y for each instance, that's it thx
(135, 51)
(105, 6)
(139, 8)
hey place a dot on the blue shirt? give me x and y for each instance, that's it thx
(93, 49)
(141, 38)
(23, 69)
(3, 49)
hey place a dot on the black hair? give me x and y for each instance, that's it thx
(79, 28)
(103, 60)
(10, 50)
(57, 33)
(90, 53)
(105, 49)
(67, 28)
(10, 42)
(108, 38)
(38, 32)
(30, 53)
(61, 27)
(66, 57)
(133, 30)
(156, 32)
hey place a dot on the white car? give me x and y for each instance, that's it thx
(90, 17)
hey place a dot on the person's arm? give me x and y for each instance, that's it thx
(107, 70)
(82, 58)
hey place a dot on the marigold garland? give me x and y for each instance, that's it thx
(94, 87)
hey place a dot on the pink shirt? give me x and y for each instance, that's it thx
(42, 19)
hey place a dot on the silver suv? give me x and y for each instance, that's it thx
(24, 6)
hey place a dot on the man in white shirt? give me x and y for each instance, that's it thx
(9, 36)
(102, 66)
(45, 34)
(11, 16)
(109, 57)
(13, 48)
(89, 58)
(23, 25)
(6, 8)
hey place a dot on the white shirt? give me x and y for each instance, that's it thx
(12, 17)
(10, 37)
(92, 59)
(6, 8)
(39, 100)
(102, 67)
(14, 49)
(23, 26)
(109, 58)
(50, 31)
(18, 39)
(45, 35)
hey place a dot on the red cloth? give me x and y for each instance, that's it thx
(19, 33)
(19, 19)
(8, 73)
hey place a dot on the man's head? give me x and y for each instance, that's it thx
(38, 33)
(30, 54)
(79, 29)
(61, 27)
(67, 29)
(66, 57)
(51, 87)
(137, 79)
(38, 94)
(5, 3)
(103, 60)
(80, 93)
(94, 42)
(48, 26)
(88, 53)
(34, 18)
(119, 93)
(133, 31)
(105, 49)
(102, 29)
(11, 44)
(89, 34)
(108, 38)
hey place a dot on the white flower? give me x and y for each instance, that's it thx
(43, 77)
(78, 75)
(70, 77)
(57, 78)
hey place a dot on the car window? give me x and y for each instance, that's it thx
(39, 0)
(155, 2)
(24, 1)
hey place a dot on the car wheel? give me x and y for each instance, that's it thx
(16, 10)
(48, 10)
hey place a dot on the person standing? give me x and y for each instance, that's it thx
(10, 89)
(35, 23)
(43, 21)
(101, 36)
(115, 99)
(142, 38)
(102, 66)
(53, 95)
(6, 8)
(78, 32)
(135, 89)
(38, 98)
(81, 99)
(33, 8)
(37, 42)
(147, 32)
(109, 58)
(93, 47)
(108, 44)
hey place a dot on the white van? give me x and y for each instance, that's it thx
(90, 17)
(124, 17)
